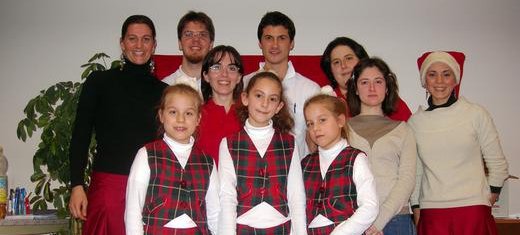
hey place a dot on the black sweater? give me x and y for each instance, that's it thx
(120, 108)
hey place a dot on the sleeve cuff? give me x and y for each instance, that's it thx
(415, 207)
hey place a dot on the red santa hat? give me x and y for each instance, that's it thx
(454, 59)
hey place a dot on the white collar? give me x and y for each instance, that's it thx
(259, 131)
(183, 74)
(334, 150)
(291, 72)
(180, 147)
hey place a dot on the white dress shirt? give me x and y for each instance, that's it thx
(363, 179)
(262, 215)
(180, 76)
(137, 186)
(297, 89)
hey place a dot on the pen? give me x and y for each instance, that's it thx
(11, 198)
(15, 201)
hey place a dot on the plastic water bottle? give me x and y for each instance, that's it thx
(3, 184)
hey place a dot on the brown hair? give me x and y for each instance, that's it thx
(137, 19)
(213, 57)
(282, 121)
(199, 17)
(334, 105)
(391, 96)
(178, 89)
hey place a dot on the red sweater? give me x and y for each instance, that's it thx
(216, 124)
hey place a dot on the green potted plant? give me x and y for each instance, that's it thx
(53, 112)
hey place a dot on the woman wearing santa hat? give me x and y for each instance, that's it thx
(456, 140)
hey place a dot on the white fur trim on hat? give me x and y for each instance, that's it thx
(439, 56)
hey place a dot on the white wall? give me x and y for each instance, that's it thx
(44, 42)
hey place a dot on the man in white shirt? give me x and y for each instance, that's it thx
(276, 33)
(196, 33)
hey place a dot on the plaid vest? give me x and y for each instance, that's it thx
(261, 179)
(173, 191)
(334, 197)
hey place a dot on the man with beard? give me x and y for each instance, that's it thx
(196, 33)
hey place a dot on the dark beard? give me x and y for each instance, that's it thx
(195, 59)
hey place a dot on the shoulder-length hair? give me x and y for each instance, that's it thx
(214, 56)
(392, 94)
(325, 58)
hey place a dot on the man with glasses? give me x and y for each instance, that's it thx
(196, 34)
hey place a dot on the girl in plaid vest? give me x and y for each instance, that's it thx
(173, 186)
(340, 189)
(262, 189)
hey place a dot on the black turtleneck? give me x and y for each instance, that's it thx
(118, 106)
(451, 100)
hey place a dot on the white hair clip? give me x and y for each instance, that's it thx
(327, 90)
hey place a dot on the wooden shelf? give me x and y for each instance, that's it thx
(32, 226)
(507, 226)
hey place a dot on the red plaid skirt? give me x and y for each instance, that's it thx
(281, 229)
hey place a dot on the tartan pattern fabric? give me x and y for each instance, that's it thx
(282, 229)
(261, 179)
(173, 191)
(334, 197)
(325, 230)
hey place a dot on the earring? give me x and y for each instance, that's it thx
(122, 62)
(152, 66)
(427, 94)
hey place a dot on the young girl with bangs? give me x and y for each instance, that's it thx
(173, 185)
(262, 189)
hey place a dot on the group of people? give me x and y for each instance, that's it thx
(210, 150)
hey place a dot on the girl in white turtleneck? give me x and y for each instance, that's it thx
(339, 186)
(173, 185)
(259, 166)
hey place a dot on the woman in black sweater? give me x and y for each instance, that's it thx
(118, 107)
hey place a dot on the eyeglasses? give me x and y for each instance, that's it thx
(232, 68)
(200, 34)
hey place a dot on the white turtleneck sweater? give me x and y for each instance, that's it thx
(368, 205)
(138, 184)
(263, 215)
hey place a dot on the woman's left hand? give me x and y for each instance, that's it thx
(493, 198)
(372, 230)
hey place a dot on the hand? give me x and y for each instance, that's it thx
(372, 230)
(416, 216)
(78, 203)
(493, 198)
(311, 145)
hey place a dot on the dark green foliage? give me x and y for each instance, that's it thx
(53, 112)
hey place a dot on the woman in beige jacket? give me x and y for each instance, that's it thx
(389, 144)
